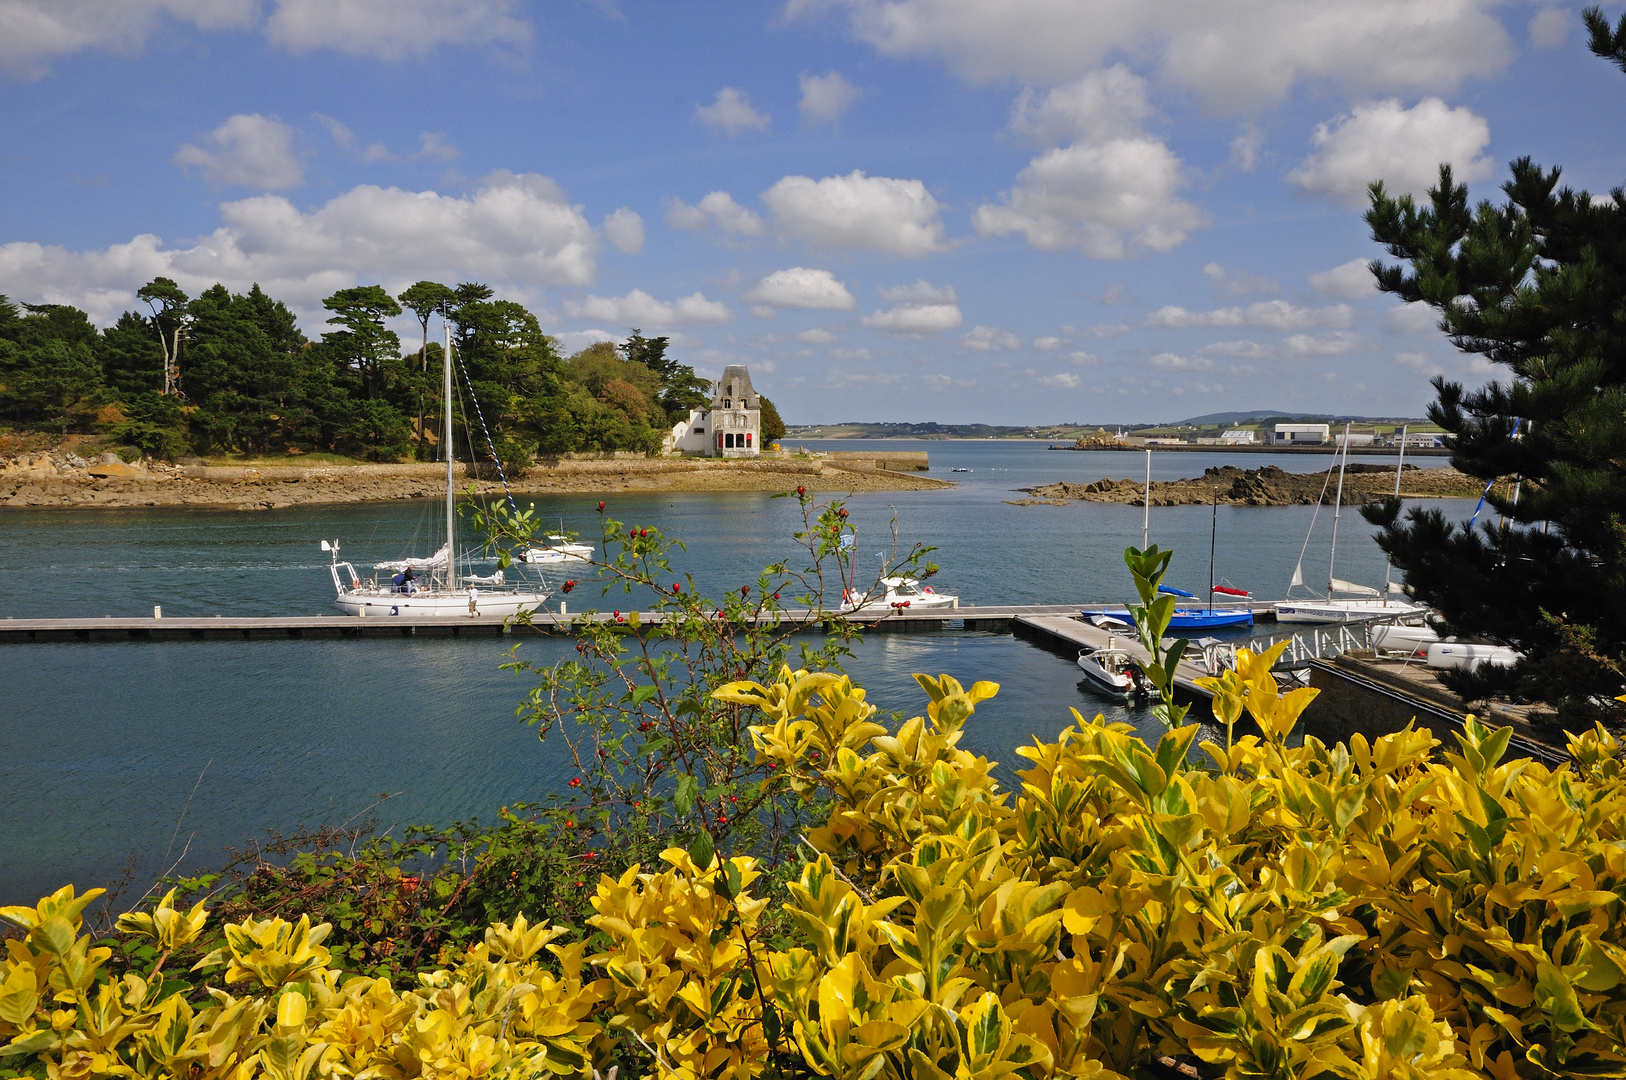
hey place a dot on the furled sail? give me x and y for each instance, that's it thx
(437, 561)
(1339, 585)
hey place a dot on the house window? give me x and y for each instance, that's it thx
(727, 404)
(728, 441)
(748, 439)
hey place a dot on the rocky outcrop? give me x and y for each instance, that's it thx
(1267, 486)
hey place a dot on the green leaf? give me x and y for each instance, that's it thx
(688, 790)
(702, 850)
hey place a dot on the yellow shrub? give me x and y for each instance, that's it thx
(1358, 911)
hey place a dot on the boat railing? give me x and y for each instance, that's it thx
(1312, 643)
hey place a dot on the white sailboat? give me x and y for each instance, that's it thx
(440, 592)
(557, 549)
(1345, 600)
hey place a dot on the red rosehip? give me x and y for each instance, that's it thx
(601, 508)
(677, 586)
(842, 512)
(801, 490)
(745, 590)
(569, 585)
(643, 532)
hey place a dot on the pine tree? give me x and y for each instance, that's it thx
(1537, 285)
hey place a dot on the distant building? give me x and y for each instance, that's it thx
(1419, 442)
(1237, 437)
(1300, 434)
(731, 428)
(1356, 438)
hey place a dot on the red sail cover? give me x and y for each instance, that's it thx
(1228, 591)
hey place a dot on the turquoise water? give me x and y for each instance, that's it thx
(130, 754)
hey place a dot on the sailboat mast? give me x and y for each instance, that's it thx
(1337, 509)
(1146, 514)
(1388, 564)
(1213, 539)
(446, 441)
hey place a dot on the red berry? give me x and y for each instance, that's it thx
(601, 508)
(801, 491)
(842, 512)
(776, 596)
(745, 590)
(643, 532)
(677, 586)
(569, 585)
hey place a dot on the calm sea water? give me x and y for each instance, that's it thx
(117, 754)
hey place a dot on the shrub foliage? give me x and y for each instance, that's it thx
(1283, 910)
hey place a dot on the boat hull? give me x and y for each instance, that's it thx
(936, 602)
(1188, 618)
(1342, 611)
(435, 605)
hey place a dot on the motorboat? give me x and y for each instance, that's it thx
(396, 588)
(1184, 618)
(1345, 601)
(900, 594)
(555, 550)
(958, 468)
(1110, 670)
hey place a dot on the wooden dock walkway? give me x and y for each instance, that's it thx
(1056, 625)
(218, 627)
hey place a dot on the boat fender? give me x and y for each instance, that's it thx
(355, 583)
(929, 591)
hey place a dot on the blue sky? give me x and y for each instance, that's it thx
(958, 210)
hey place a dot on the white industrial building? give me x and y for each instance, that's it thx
(731, 428)
(1300, 434)
(1237, 437)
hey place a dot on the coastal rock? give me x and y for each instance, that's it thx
(115, 469)
(1268, 486)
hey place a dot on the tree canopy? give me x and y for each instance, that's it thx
(232, 373)
(1537, 285)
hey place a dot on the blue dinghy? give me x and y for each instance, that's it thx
(1185, 618)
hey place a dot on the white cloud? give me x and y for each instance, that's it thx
(249, 150)
(574, 341)
(1271, 314)
(347, 142)
(816, 337)
(434, 145)
(1063, 380)
(1231, 284)
(1411, 319)
(1346, 281)
(717, 208)
(1549, 28)
(1420, 363)
(991, 339)
(625, 230)
(1102, 105)
(514, 230)
(35, 32)
(395, 29)
(1245, 148)
(640, 309)
(1047, 344)
(1171, 362)
(800, 287)
(1382, 140)
(866, 213)
(1304, 346)
(731, 113)
(1108, 199)
(1105, 331)
(826, 98)
(921, 292)
(1081, 358)
(1235, 57)
(915, 319)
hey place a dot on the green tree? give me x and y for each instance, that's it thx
(513, 369)
(168, 303)
(425, 299)
(49, 377)
(1537, 285)
(773, 428)
(681, 388)
(365, 343)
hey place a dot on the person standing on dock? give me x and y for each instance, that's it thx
(474, 602)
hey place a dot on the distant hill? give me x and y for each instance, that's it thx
(1233, 417)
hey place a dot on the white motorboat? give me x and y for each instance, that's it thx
(439, 592)
(1400, 639)
(1110, 670)
(1345, 601)
(1465, 656)
(901, 594)
(557, 549)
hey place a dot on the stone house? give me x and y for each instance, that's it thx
(731, 427)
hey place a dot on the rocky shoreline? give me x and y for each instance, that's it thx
(63, 479)
(1268, 486)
